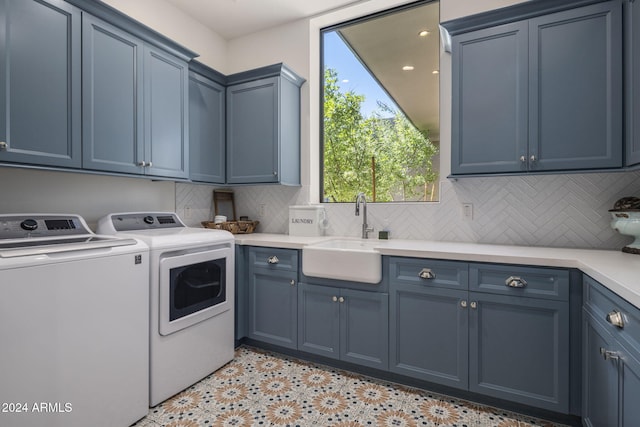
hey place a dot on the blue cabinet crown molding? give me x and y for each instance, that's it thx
(505, 15)
(275, 70)
(124, 22)
(208, 72)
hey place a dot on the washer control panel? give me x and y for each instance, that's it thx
(37, 225)
(138, 221)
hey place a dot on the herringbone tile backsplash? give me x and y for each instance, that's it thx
(545, 210)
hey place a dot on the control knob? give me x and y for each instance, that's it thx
(148, 219)
(29, 224)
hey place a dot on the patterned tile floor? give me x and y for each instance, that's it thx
(265, 389)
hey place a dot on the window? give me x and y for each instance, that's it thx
(380, 97)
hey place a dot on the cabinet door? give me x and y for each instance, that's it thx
(319, 320)
(629, 389)
(575, 119)
(632, 82)
(253, 131)
(206, 130)
(519, 350)
(166, 114)
(40, 75)
(489, 104)
(364, 328)
(273, 313)
(429, 334)
(112, 98)
(600, 377)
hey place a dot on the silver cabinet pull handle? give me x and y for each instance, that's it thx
(608, 354)
(334, 298)
(515, 282)
(523, 159)
(616, 319)
(293, 282)
(426, 273)
(341, 299)
(273, 259)
(3, 146)
(474, 304)
(142, 164)
(463, 304)
(533, 158)
(149, 164)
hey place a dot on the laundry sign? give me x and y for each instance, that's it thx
(309, 220)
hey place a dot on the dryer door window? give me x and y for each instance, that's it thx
(196, 287)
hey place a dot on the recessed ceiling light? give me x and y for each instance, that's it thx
(408, 68)
(423, 33)
(435, 72)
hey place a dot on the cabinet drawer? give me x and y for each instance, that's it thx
(274, 258)
(604, 305)
(428, 272)
(535, 282)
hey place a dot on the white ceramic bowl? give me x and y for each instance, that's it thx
(628, 223)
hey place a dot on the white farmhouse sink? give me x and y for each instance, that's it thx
(353, 260)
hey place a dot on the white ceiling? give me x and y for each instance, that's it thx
(235, 18)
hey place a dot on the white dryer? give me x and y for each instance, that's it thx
(191, 330)
(73, 324)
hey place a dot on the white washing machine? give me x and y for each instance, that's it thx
(73, 324)
(191, 330)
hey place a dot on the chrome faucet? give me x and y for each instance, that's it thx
(360, 198)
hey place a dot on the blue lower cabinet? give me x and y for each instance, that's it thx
(630, 389)
(344, 324)
(476, 327)
(519, 350)
(273, 307)
(611, 359)
(319, 320)
(600, 379)
(242, 293)
(429, 334)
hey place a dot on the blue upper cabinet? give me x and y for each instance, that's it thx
(543, 94)
(263, 126)
(84, 86)
(575, 115)
(40, 83)
(166, 148)
(632, 82)
(206, 125)
(489, 104)
(113, 138)
(134, 104)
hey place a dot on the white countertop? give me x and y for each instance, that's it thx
(618, 271)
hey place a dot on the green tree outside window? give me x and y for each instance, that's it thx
(385, 157)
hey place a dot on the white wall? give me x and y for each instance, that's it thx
(166, 19)
(91, 196)
(453, 9)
